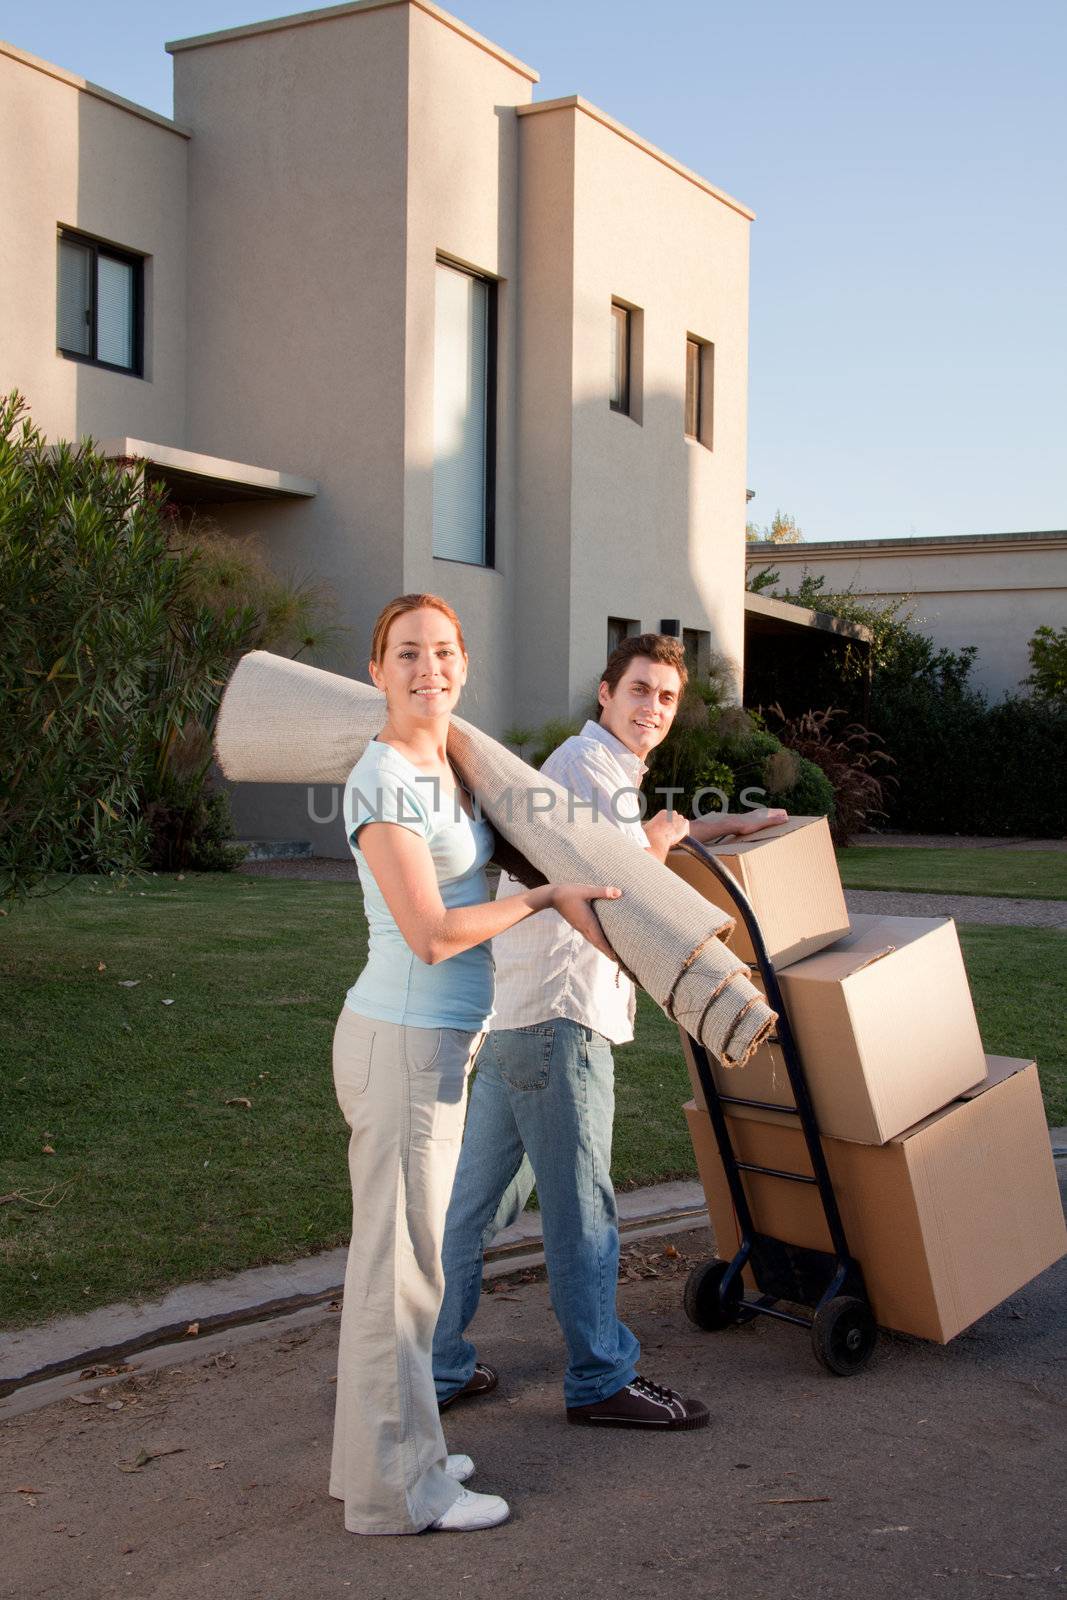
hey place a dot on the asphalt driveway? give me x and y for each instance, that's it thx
(938, 1474)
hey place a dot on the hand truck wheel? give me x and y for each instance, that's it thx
(703, 1300)
(843, 1335)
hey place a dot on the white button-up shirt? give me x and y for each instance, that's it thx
(544, 967)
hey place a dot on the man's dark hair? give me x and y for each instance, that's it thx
(654, 647)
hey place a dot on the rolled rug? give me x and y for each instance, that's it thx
(283, 721)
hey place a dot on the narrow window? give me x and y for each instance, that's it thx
(692, 389)
(620, 628)
(620, 358)
(464, 416)
(99, 312)
(697, 646)
(699, 386)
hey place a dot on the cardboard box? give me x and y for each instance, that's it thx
(946, 1221)
(790, 875)
(885, 1027)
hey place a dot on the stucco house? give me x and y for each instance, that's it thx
(366, 299)
(990, 590)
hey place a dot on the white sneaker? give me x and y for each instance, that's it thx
(459, 1467)
(470, 1511)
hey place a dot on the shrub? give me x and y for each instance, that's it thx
(846, 758)
(1048, 665)
(120, 630)
(960, 764)
(810, 794)
(106, 656)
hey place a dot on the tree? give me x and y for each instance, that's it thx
(783, 530)
(1048, 663)
(117, 642)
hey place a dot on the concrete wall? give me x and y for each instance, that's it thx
(77, 157)
(653, 524)
(991, 591)
(297, 278)
(544, 393)
(335, 160)
(462, 203)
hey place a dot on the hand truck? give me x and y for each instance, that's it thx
(843, 1329)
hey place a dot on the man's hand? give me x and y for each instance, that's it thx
(664, 830)
(574, 901)
(736, 824)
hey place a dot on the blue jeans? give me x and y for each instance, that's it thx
(545, 1092)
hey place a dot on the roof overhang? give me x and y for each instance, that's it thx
(765, 616)
(193, 479)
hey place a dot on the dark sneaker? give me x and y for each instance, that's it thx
(481, 1381)
(642, 1405)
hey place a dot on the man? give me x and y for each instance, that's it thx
(545, 1082)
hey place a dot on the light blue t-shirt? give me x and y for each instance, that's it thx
(395, 986)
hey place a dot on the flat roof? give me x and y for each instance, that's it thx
(924, 544)
(577, 103)
(198, 479)
(300, 19)
(50, 70)
(780, 616)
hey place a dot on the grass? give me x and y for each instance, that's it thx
(160, 1172)
(1015, 874)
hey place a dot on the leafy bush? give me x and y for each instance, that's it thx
(1048, 665)
(194, 831)
(810, 794)
(106, 655)
(847, 760)
(961, 764)
(120, 630)
(535, 745)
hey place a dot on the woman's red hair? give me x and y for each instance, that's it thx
(398, 608)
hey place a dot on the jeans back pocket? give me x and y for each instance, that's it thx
(523, 1055)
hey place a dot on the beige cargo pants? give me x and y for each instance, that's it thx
(402, 1092)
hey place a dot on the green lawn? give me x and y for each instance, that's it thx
(156, 1179)
(1015, 874)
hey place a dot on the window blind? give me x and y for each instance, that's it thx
(461, 370)
(114, 311)
(75, 299)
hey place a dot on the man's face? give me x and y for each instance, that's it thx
(640, 711)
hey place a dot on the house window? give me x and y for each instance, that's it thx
(464, 420)
(620, 628)
(699, 390)
(620, 358)
(697, 646)
(99, 315)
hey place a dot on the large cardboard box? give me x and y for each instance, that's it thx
(946, 1221)
(885, 1027)
(790, 875)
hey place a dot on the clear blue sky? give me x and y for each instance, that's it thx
(908, 168)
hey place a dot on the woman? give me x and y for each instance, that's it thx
(405, 1041)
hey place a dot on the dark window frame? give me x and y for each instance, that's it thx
(696, 642)
(694, 364)
(629, 626)
(488, 562)
(623, 314)
(128, 258)
(700, 356)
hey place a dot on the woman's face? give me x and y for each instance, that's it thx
(423, 667)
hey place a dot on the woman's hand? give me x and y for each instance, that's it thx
(574, 902)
